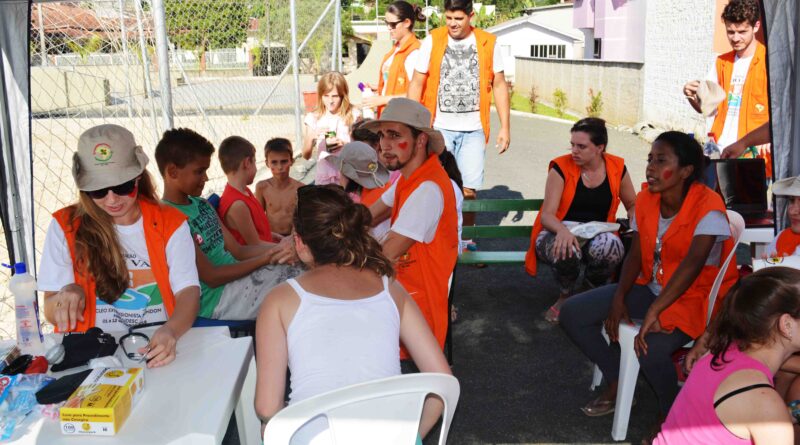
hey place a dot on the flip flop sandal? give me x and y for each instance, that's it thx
(551, 316)
(598, 407)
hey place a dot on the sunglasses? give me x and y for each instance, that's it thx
(119, 190)
(132, 342)
(392, 25)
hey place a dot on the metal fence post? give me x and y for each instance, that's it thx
(146, 67)
(338, 42)
(160, 25)
(124, 39)
(298, 112)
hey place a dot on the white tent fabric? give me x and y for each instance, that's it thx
(782, 21)
(15, 132)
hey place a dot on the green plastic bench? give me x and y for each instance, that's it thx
(477, 232)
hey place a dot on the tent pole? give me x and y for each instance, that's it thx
(146, 67)
(160, 24)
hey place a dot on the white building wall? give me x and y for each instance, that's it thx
(678, 48)
(517, 41)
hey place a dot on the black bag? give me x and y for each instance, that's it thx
(79, 348)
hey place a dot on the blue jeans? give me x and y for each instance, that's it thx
(582, 318)
(469, 149)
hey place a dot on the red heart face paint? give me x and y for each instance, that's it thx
(403, 145)
(668, 173)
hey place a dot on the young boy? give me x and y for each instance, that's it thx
(278, 194)
(238, 207)
(233, 278)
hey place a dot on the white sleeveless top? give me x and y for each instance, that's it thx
(335, 343)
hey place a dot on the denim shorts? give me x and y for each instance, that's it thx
(469, 148)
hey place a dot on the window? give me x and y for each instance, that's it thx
(598, 48)
(505, 50)
(549, 51)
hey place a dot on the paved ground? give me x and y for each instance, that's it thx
(522, 381)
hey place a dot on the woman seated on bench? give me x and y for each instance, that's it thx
(342, 322)
(729, 395)
(585, 185)
(681, 236)
(117, 258)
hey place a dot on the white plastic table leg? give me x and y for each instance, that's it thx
(246, 420)
(628, 373)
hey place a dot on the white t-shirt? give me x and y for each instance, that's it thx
(419, 217)
(730, 130)
(458, 104)
(409, 64)
(141, 302)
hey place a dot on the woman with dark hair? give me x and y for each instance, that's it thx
(729, 396)
(585, 185)
(397, 67)
(681, 236)
(342, 321)
(118, 258)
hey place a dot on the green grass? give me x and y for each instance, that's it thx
(521, 103)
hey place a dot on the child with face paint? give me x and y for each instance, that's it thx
(681, 236)
(118, 258)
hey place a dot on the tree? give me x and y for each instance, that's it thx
(201, 25)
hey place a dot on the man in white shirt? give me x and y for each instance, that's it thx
(457, 68)
(423, 238)
(742, 74)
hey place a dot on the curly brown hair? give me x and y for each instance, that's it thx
(739, 11)
(336, 230)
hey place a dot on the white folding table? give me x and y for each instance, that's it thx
(189, 401)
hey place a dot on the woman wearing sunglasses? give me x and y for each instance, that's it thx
(397, 66)
(117, 258)
(342, 321)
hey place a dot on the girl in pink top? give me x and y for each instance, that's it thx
(729, 397)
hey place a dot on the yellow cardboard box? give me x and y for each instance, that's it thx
(104, 400)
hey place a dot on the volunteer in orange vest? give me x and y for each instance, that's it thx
(457, 71)
(788, 240)
(397, 66)
(118, 258)
(583, 186)
(423, 238)
(681, 237)
(742, 73)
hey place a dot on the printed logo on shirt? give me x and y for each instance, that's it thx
(206, 229)
(459, 83)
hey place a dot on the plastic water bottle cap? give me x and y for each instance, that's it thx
(361, 86)
(20, 268)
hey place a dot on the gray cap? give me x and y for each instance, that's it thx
(107, 156)
(359, 162)
(413, 114)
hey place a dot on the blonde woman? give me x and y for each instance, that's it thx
(118, 258)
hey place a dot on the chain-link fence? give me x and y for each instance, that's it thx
(97, 61)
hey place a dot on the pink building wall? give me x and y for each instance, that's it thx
(620, 24)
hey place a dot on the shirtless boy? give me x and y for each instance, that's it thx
(278, 194)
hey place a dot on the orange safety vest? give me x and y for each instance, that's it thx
(754, 110)
(371, 196)
(787, 242)
(615, 166)
(159, 221)
(688, 312)
(397, 82)
(424, 271)
(485, 46)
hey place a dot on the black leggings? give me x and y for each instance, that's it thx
(582, 318)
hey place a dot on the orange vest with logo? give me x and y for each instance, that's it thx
(371, 196)
(688, 312)
(787, 242)
(397, 81)
(485, 46)
(424, 271)
(754, 110)
(615, 166)
(159, 222)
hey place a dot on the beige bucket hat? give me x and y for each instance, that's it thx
(710, 95)
(414, 114)
(107, 156)
(359, 162)
(787, 187)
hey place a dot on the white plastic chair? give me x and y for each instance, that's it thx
(629, 363)
(385, 411)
